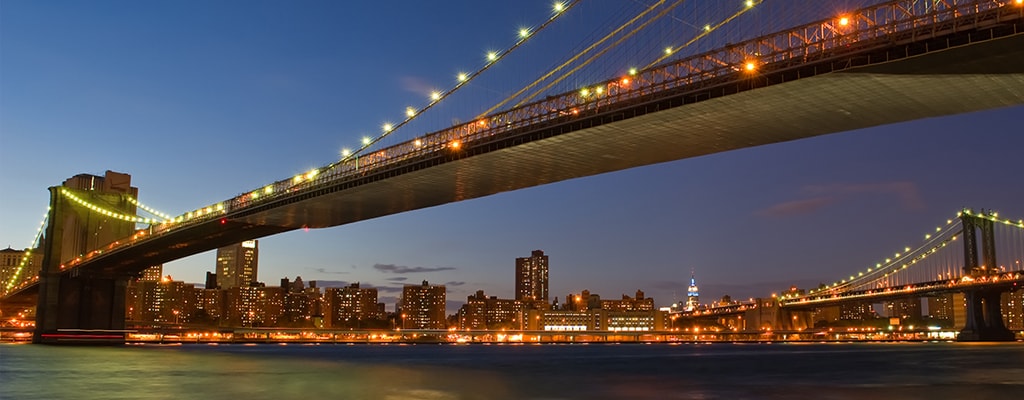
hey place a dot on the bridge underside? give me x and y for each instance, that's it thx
(980, 76)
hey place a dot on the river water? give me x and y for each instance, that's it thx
(450, 372)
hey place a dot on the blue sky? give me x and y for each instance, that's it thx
(200, 101)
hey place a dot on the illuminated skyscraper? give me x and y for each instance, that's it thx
(532, 277)
(351, 307)
(423, 306)
(236, 265)
(692, 295)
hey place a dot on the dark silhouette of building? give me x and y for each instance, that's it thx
(237, 264)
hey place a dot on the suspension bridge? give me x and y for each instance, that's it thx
(887, 62)
(978, 254)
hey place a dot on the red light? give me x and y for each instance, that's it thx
(223, 221)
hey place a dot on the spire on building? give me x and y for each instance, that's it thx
(692, 294)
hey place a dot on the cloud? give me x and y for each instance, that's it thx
(401, 269)
(398, 279)
(454, 283)
(796, 207)
(906, 191)
(820, 196)
(325, 271)
(416, 85)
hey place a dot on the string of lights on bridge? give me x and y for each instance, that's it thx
(492, 57)
(462, 79)
(899, 261)
(28, 252)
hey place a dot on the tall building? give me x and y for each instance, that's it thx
(692, 294)
(236, 264)
(423, 306)
(352, 307)
(532, 277)
(11, 268)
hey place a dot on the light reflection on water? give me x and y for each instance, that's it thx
(443, 372)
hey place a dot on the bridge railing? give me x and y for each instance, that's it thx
(881, 25)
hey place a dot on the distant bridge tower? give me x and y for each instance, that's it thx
(77, 299)
(984, 317)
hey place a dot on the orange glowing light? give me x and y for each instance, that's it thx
(844, 21)
(456, 144)
(750, 66)
(625, 81)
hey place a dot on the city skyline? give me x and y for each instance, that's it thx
(78, 88)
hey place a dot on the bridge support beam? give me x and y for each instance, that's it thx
(81, 309)
(984, 314)
(984, 318)
(75, 307)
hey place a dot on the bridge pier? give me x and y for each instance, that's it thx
(984, 314)
(83, 306)
(83, 309)
(984, 318)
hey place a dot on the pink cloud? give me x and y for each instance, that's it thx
(796, 207)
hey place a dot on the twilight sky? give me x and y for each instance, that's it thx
(200, 102)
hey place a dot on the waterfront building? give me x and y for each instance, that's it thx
(160, 302)
(856, 311)
(11, 262)
(352, 307)
(1013, 309)
(562, 320)
(633, 321)
(270, 306)
(136, 296)
(423, 306)
(237, 264)
(532, 278)
(904, 308)
(825, 315)
(241, 306)
(483, 312)
(210, 308)
(582, 301)
(941, 307)
(596, 320)
(638, 303)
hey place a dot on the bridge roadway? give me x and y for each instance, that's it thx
(1002, 282)
(816, 98)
